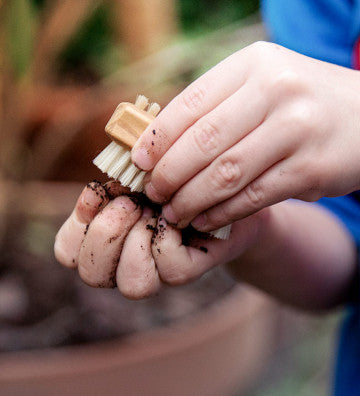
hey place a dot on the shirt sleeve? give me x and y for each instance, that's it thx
(347, 210)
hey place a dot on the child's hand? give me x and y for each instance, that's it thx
(92, 237)
(264, 125)
(286, 250)
(115, 242)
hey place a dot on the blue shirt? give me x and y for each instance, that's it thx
(328, 30)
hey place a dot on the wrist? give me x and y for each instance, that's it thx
(262, 243)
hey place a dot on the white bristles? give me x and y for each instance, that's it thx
(116, 162)
(137, 185)
(141, 102)
(154, 109)
(222, 233)
(127, 177)
(110, 154)
(120, 164)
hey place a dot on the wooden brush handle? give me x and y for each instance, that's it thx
(127, 124)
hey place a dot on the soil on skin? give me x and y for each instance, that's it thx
(44, 305)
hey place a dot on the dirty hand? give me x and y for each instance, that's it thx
(264, 125)
(114, 242)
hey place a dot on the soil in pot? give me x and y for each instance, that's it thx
(44, 305)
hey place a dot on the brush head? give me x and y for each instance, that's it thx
(130, 120)
(125, 126)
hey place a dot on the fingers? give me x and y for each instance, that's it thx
(182, 256)
(274, 186)
(137, 276)
(195, 101)
(122, 247)
(178, 264)
(228, 174)
(100, 251)
(204, 141)
(70, 236)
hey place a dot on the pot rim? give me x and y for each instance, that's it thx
(205, 326)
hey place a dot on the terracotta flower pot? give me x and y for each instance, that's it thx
(218, 351)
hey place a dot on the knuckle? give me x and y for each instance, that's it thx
(193, 97)
(316, 179)
(262, 50)
(226, 174)
(223, 214)
(163, 183)
(254, 195)
(302, 116)
(286, 81)
(176, 275)
(312, 182)
(206, 136)
(311, 193)
(310, 175)
(259, 46)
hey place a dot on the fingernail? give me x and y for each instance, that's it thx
(199, 222)
(91, 200)
(140, 156)
(125, 203)
(152, 194)
(93, 194)
(169, 214)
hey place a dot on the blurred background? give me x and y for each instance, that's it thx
(65, 65)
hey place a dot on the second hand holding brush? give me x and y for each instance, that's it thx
(124, 127)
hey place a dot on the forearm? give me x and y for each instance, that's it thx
(304, 257)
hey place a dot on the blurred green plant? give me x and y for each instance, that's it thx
(92, 48)
(203, 16)
(93, 42)
(20, 45)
